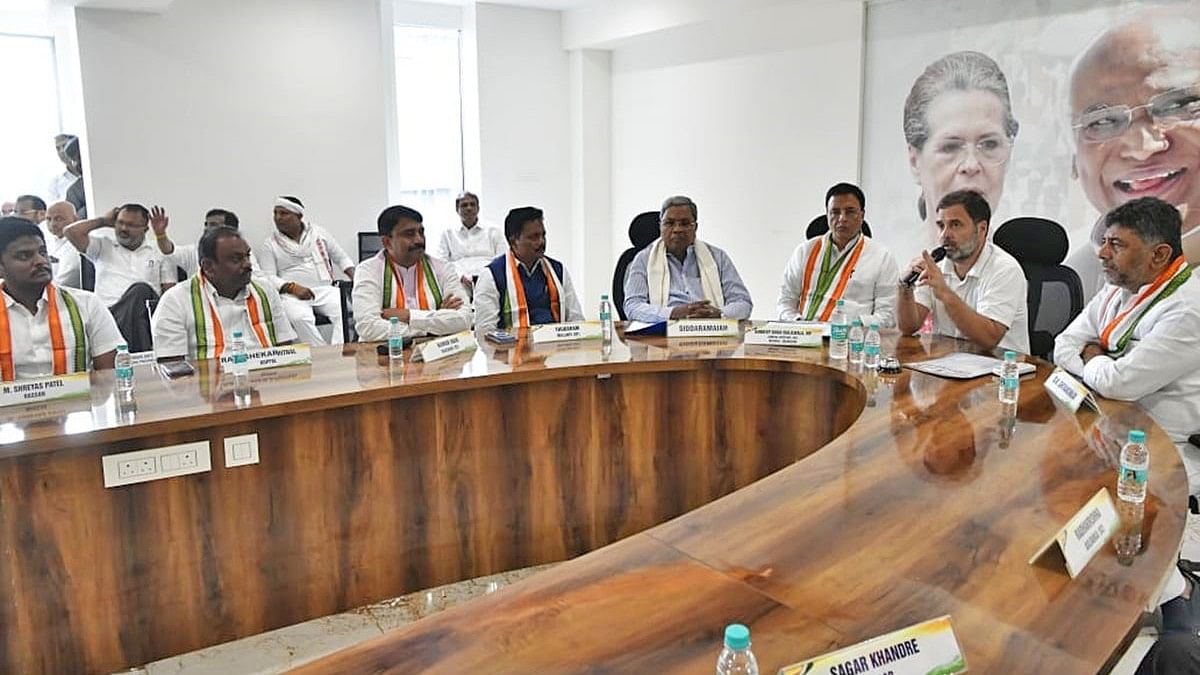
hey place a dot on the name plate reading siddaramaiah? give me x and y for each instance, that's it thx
(44, 389)
(923, 649)
(1084, 534)
(440, 348)
(677, 328)
(271, 357)
(1069, 391)
(566, 332)
(785, 335)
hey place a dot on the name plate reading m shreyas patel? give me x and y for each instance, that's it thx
(785, 335)
(677, 328)
(271, 357)
(44, 389)
(927, 648)
(440, 348)
(1084, 534)
(1069, 391)
(566, 332)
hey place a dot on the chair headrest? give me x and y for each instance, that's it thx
(1033, 240)
(820, 225)
(644, 229)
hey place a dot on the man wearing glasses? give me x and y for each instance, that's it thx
(1135, 116)
(682, 277)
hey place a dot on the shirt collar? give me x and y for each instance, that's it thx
(215, 296)
(977, 269)
(850, 245)
(10, 301)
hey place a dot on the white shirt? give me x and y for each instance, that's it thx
(118, 268)
(300, 261)
(870, 292)
(1160, 369)
(174, 322)
(67, 267)
(488, 300)
(470, 249)
(368, 301)
(57, 190)
(32, 353)
(995, 287)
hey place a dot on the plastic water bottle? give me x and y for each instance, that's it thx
(736, 658)
(871, 346)
(124, 371)
(241, 369)
(856, 341)
(839, 332)
(1010, 379)
(395, 339)
(606, 320)
(1131, 495)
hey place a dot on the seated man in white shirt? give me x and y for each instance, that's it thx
(130, 270)
(46, 329)
(197, 319)
(525, 287)
(187, 256)
(400, 281)
(63, 256)
(303, 259)
(680, 277)
(843, 264)
(977, 292)
(471, 245)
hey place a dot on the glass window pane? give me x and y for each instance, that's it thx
(31, 118)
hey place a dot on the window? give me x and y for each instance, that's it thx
(429, 117)
(31, 119)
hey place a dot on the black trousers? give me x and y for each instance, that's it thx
(132, 314)
(1176, 653)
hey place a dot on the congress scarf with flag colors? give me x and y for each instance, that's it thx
(72, 358)
(515, 310)
(210, 336)
(814, 295)
(429, 294)
(1122, 323)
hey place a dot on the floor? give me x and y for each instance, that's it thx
(285, 648)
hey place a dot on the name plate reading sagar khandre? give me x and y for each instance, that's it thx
(928, 648)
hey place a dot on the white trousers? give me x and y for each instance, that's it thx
(327, 301)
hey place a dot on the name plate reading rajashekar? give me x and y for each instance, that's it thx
(271, 357)
(928, 648)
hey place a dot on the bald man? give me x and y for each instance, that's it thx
(64, 258)
(1135, 115)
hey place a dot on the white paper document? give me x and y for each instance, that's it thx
(964, 366)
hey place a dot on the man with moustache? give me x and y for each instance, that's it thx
(197, 319)
(977, 292)
(471, 245)
(63, 256)
(31, 208)
(525, 287)
(1135, 114)
(401, 281)
(46, 329)
(681, 277)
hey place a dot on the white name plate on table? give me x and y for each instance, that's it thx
(1069, 391)
(677, 328)
(44, 389)
(143, 359)
(925, 648)
(1084, 534)
(440, 348)
(566, 332)
(785, 334)
(271, 357)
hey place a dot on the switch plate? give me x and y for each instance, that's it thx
(241, 450)
(139, 466)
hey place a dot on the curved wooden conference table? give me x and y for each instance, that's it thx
(690, 483)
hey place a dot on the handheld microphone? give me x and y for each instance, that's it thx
(937, 254)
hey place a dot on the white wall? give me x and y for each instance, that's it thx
(227, 103)
(754, 116)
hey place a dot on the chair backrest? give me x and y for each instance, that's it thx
(347, 288)
(369, 244)
(820, 225)
(87, 274)
(1055, 295)
(642, 232)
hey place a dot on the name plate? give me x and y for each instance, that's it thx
(925, 648)
(271, 357)
(785, 335)
(143, 359)
(447, 346)
(1069, 391)
(1084, 534)
(44, 389)
(702, 328)
(566, 332)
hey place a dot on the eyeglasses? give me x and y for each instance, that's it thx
(1166, 110)
(681, 224)
(991, 150)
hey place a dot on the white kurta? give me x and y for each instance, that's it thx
(33, 355)
(471, 249)
(870, 291)
(118, 268)
(368, 301)
(174, 321)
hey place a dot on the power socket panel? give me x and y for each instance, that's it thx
(140, 466)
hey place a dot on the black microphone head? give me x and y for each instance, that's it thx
(938, 254)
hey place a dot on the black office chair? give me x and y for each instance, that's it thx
(820, 225)
(642, 232)
(369, 243)
(87, 274)
(348, 333)
(1055, 295)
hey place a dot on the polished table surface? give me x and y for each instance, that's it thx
(918, 497)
